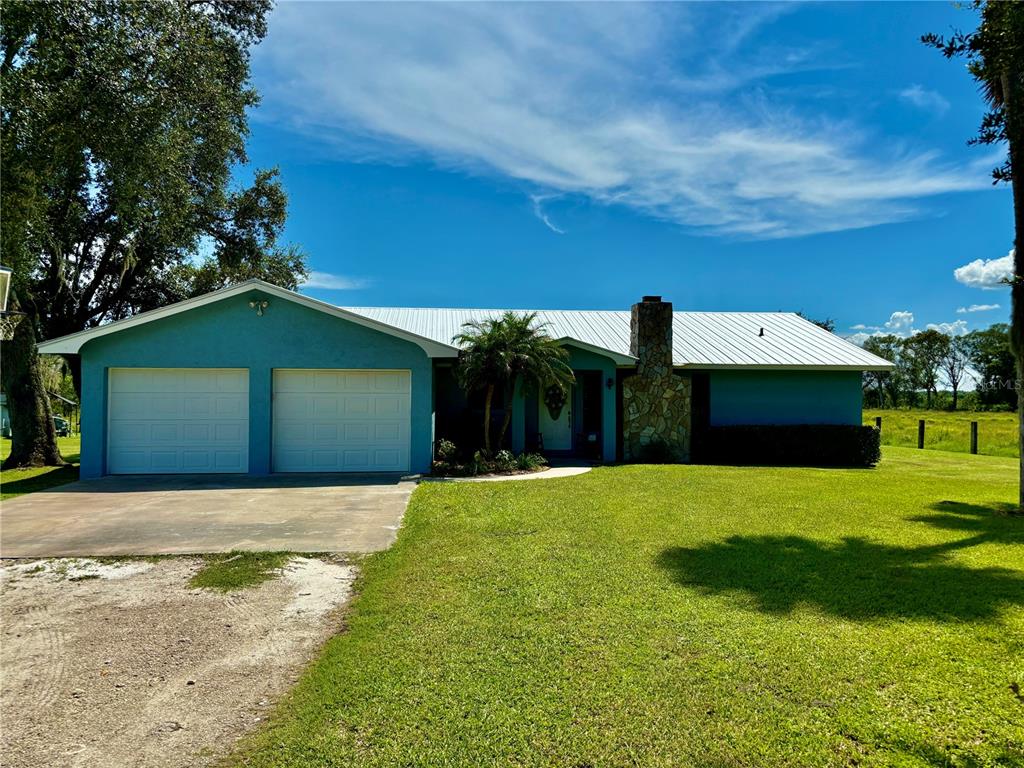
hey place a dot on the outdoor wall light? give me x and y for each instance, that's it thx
(610, 383)
(259, 306)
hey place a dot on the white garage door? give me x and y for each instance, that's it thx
(341, 421)
(171, 420)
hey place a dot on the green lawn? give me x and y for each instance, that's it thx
(232, 571)
(15, 482)
(682, 616)
(949, 430)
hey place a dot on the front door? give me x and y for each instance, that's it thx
(556, 430)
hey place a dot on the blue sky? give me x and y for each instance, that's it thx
(727, 156)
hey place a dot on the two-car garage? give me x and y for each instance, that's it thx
(196, 420)
(254, 379)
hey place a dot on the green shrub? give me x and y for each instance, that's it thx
(527, 462)
(504, 461)
(826, 445)
(657, 452)
(448, 464)
(447, 452)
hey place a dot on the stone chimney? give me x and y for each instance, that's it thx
(650, 336)
(655, 402)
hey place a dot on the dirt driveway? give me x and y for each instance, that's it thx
(125, 665)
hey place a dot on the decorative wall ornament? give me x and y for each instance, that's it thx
(259, 306)
(554, 399)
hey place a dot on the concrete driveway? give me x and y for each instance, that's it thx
(179, 514)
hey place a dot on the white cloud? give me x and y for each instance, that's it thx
(926, 99)
(538, 211)
(977, 308)
(955, 328)
(329, 282)
(659, 107)
(899, 321)
(985, 273)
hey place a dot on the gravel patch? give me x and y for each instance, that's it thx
(122, 664)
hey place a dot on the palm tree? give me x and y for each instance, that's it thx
(503, 352)
(995, 59)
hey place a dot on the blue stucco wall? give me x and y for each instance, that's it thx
(785, 397)
(228, 334)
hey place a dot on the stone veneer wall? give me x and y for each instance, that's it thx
(656, 404)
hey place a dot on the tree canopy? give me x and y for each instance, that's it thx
(122, 126)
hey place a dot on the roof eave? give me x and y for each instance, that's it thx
(617, 357)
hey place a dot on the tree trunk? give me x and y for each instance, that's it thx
(33, 440)
(74, 363)
(509, 395)
(1015, 138)
(954, 396)
(488, 400)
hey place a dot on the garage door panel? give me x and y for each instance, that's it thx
(323, 407)
(169, 420)
(334, 421)
(233, 381)
(357, 406)
(357, 381)
(167, 432)
(388, 406)
(197, 407)
(356, 431)
(326, 433)
(390, 382)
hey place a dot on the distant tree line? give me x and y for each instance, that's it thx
(930, 363)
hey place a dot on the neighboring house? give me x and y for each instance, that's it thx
(254, 378)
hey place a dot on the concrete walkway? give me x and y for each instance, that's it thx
(179, 514)
(559, 470)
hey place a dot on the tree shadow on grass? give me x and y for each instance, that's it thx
(861, 579)
(43, 481)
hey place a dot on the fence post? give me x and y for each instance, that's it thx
(878, 423)
(974, 437)
(920, 433)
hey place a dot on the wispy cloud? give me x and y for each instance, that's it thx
(656, 106)
(988, 274)
(977, 308)
(538, 211)
(923, 98)
(328, 282)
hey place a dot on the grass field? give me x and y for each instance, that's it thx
(682, 615)
(949, 430)
(15, 482)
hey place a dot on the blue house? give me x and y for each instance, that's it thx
(258, 379)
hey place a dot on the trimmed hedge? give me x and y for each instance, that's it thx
(820, 445)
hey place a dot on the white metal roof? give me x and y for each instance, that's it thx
(699, 339)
